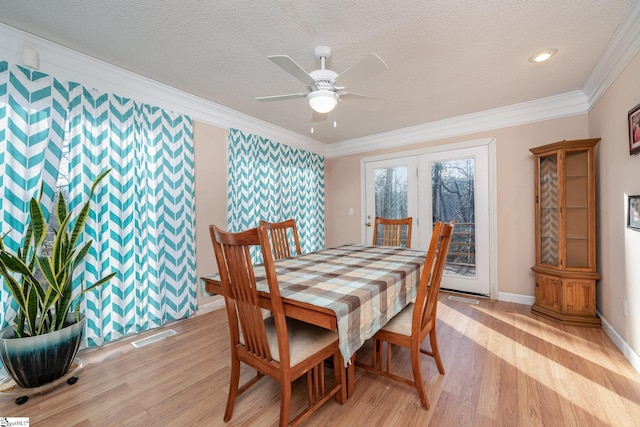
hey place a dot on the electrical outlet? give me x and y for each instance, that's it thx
(624, 307)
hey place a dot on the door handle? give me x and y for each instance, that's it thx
(368, 224)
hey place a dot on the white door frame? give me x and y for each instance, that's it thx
(493, 223)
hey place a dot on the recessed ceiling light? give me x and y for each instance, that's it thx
(543, 56)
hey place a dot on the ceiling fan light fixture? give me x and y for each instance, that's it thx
(323, 100)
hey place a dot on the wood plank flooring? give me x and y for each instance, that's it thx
(504, 367)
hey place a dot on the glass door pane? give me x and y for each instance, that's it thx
(549, 214)
(577, 208)
(391, 198)
(453, 199)
(390, 191)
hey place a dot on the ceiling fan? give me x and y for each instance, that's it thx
(326, 87)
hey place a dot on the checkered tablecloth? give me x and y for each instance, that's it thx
(364, 285)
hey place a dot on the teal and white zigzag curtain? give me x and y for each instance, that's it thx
(275, 182)
(33, 111)
(144, 225)
(142, 222)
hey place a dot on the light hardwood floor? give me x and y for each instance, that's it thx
(504, 367)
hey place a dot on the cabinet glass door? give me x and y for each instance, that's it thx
(577, 207)
(549, 211)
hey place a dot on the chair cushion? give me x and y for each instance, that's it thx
(401, 322)
(304, 339)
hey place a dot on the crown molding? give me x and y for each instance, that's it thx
(553, 107)
(622, 48)
(68, 64)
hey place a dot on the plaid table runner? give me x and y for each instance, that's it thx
(364, 285)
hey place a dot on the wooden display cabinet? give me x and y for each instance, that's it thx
(565, 269)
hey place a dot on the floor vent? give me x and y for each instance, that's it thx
(462, 299)
(153, 338)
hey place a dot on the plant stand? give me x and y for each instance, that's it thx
(8, 387)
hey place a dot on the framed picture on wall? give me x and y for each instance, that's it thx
(633, 213)
(634, 130)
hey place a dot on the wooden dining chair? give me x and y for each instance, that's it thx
(411, 326)
(280, 347)
(280, 235)
(392, 232)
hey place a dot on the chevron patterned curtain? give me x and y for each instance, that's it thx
(274, 182)
(33, 111)
(144, 226)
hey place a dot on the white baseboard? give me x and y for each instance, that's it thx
(215, 304)
(517, 298)
(622, 345)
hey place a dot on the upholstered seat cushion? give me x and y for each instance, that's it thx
(401, 322)
(304, 339)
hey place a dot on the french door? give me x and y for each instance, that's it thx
(438, 186)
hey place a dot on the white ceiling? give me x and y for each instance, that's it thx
(445, 58)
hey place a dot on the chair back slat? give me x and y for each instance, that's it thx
(280, 243)
(427, 298)
(280, 236)
(240, 290)
(392, 232)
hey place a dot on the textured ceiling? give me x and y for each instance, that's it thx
(445, 58)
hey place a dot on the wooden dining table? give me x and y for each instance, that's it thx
(353, 289)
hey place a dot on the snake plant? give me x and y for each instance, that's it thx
(41, 285)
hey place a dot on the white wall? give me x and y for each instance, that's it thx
(618, 175)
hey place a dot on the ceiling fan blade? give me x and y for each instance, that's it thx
(291, 67)
(365, 102)
(281, 97)
(369, 66)
(358, 95)
(317, 117)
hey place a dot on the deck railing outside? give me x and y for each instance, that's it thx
(462, 251)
